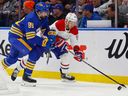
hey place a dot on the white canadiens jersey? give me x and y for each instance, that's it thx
(63, 34)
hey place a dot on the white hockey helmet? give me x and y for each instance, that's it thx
(71, 17)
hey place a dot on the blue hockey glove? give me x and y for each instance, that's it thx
(49, 41)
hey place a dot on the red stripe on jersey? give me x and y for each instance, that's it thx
(23, 64)
(64, 64)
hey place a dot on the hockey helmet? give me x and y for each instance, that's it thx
(41, 6)
(71, 17)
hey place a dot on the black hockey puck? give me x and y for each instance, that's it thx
(119, 88)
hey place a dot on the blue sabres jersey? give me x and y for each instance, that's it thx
(28, 26)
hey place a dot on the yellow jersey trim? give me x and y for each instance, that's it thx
(25, 44)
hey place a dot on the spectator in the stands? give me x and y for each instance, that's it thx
(122, 19)
(123, 13)
(125, 2)
(28, 7)
(88, 14)
(96, 3)
(111, 13)
(101, 8)
(123, 7)
(2, 18)
(68, 5)
(51, 4)
(36, 1)
(57, 13)
(81, 4)
(7, 11)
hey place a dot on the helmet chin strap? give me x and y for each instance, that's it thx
(38, 15)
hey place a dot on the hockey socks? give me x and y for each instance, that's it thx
(27, 80)
(20, 66)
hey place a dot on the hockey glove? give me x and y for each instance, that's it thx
(79, 55)
(47, 42)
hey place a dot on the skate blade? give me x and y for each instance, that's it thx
(27, 84)
(66, 80)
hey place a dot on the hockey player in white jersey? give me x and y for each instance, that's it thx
(66, 29)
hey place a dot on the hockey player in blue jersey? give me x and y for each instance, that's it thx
(65, 30)
(24, 40)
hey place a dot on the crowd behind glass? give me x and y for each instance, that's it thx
(12, 10)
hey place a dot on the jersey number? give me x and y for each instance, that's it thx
(30, 25)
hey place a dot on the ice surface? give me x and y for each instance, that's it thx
(49, 87)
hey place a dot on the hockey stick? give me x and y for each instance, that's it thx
(48, 56)
(121, 85)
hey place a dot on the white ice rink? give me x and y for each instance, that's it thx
(48, 87)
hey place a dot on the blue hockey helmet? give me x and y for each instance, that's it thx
(41, 6)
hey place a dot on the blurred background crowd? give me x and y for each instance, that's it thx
(115, 11)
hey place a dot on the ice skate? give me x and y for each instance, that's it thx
(18, 68)
(14, 74)
(28, 81)
(66, 77)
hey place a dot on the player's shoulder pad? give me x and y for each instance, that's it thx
(31, 16)
(60, 25)
(74, 30)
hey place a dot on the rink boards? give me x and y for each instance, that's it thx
(107, 50)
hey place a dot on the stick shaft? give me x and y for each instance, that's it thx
(100, 72)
